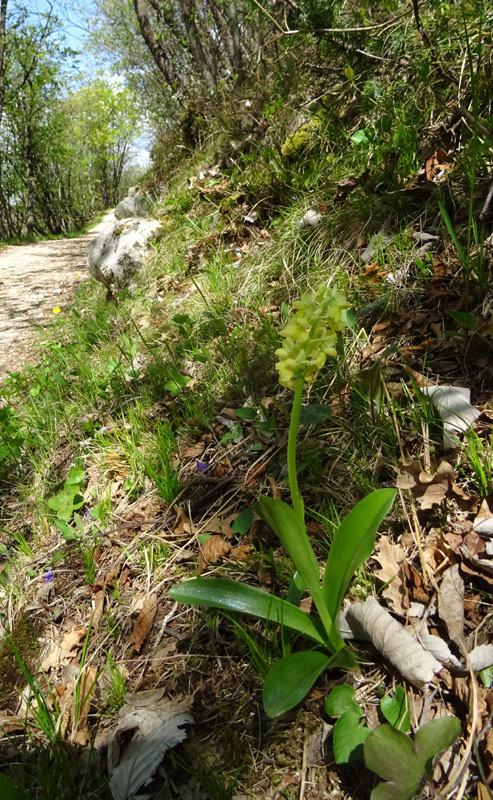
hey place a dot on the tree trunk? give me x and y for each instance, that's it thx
(155, 48)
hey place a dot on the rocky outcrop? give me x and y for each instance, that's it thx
(120, 250)
(133, 205)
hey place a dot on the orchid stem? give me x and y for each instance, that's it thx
(296, 497)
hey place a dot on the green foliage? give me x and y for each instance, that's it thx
(353, 542)
(69, 498)
(11, 440)
(402, 762)
(396, 710)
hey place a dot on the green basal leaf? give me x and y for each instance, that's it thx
(348, 737)
(8, 789)
(433, 737)
(468, 321)
(292, 532)
(233, 596)
(290, 680)
(246, 413)
(391, 755)
(396, 710)
(67, 531)
(340, 700)
(75, 476)
(353, 543)
(313, 414)
(243, 521)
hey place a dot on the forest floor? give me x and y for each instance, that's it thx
(35, 279)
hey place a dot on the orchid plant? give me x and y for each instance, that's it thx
(308, 339)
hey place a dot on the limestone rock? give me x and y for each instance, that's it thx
(133, 205)
(119, 251)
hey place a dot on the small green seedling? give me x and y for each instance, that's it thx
(396, 710)
(405, 764)
(349, 732)
(69, 499)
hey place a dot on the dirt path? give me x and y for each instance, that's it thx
(34, 279)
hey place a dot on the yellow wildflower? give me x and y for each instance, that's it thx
(56, 310)
(310, 335)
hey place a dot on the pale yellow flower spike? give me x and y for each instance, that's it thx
(310, 335)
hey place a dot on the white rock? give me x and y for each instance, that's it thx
(311, 219)
(120, 250)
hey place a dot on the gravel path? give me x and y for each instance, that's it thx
(34, 279)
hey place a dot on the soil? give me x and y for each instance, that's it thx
(35, 279)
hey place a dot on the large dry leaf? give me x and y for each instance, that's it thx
(436, 646)
(62, 652)
(390, 557)
(144, 622)
(455, 410)
(451, 603)
(408, 657)
(154, 729)
(212, 550)
(481, 657)
(483, 524)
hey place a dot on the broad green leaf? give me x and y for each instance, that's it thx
(246, 413)
(349, 736)
(391, 755)
(290, 680)
(313, 414)
(433, 737)
(233, 596)
(63, 503)
(292, 532)
(468, 321)
(242, 523)
(363, 136)
(353, 543)
(396, 710)
(349, 73)
(75, 476)
(67, 531)
(340, 700)
(8, 789)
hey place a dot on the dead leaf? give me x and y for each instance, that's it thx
(153, 729)
(451, 603)
(87, 687)
(182, 523)
(390, 557)
(98, 606)
(144, 622)
(391, 639)
(433, 494)
(220, 525)
(212, 550)
(454, 409)
(194, 451)
(483, 523)
(241, 552)
(62, 651)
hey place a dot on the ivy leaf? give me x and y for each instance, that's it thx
(340, 700)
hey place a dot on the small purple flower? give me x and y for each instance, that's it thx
(88, 513)
(48, 575)
(201, 466)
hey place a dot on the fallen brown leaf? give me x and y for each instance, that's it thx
(144, 622)
(390, 557)
(62, 652)
(451, 603)
(87, 686)
(212, 550)
(182, 523)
